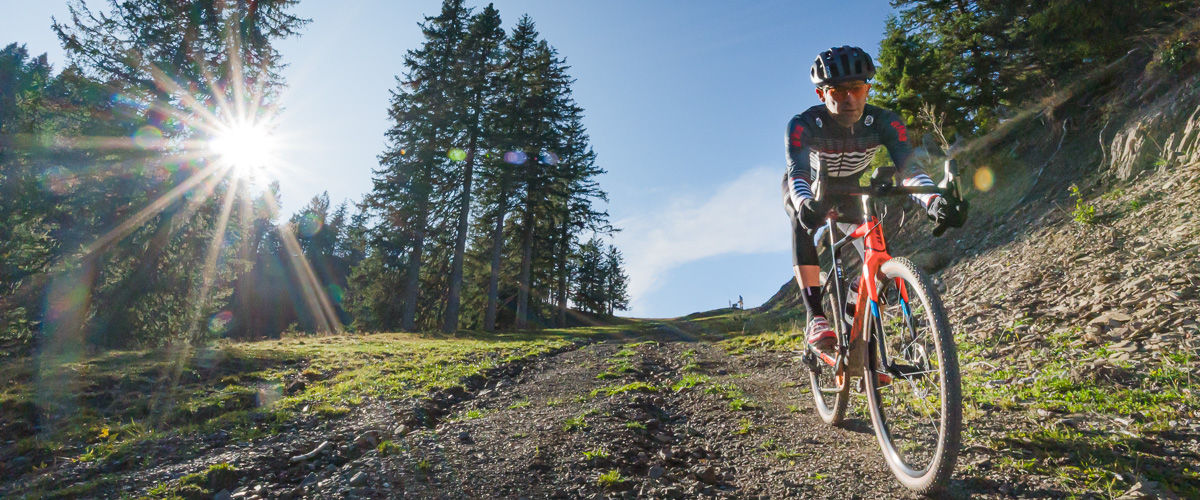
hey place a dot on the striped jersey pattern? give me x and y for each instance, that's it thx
(815, 143)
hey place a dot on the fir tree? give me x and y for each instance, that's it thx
(480, 52)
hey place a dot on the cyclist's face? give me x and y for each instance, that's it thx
(845, 101)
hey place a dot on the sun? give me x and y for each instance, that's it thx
(245, 147)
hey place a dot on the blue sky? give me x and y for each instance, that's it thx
(687, 102)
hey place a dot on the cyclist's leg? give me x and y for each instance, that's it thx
(807, 270)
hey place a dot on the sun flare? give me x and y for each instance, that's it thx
(245, 147)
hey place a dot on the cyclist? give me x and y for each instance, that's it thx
(840, 138)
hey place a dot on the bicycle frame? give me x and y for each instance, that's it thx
(851, 356)
(875, 254)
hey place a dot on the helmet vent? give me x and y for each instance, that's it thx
(839, 64)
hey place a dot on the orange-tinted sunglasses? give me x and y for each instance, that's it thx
(856, 90)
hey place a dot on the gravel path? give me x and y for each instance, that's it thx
(523, 431)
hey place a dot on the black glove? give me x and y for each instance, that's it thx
(881, 178)
(946, 213)
(810, 215)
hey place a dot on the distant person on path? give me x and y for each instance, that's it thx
(840, 138)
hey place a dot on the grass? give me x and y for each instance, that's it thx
(745, 426)
(594, 454)
(471, 415)
(690, 380)
(1090, 456)
(620, 364)
(206, 483)
(1084, 212)
(777, 451)
(635, 426)
(630, 387)
(389, 448)
(610, 479)
(518, 405)
(574, 423)
(112, 407)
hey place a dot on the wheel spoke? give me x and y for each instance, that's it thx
(916, 414)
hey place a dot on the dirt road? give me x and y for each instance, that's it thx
(664, 415)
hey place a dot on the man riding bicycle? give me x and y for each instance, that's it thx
(839, 139)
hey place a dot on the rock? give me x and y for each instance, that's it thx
(656, 472)
(663, 438)
(325, 445)
(1124, 346)
(1100, 371)
(366, 440)
(400, 431)
(359, 479)
(708, 475)
(309, 479)
(223, 495)
(464, 436)
(296, 386)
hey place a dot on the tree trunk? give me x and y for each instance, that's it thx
(408, 319)
(523, 279)
(460, 244)
(489, 319)
(562, 273)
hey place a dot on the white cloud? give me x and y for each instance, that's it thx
(744, 217)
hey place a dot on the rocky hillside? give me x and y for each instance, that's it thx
(1073, 291)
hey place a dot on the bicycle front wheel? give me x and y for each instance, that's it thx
(916, 403)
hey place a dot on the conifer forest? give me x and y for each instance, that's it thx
(120, 226)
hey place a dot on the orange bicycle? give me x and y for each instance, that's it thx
(895, 339)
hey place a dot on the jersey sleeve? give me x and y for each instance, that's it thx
(799, 140)
(895, 138)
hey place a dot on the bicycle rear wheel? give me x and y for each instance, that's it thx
(831, 390)
(916, 408)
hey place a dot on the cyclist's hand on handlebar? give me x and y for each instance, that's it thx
(946, 212)
(881, 178)
(810, 214)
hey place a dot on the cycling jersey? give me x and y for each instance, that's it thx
(816, 143)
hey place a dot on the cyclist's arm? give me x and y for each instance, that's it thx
(799, 140)
(895, 137)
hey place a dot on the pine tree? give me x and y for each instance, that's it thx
(480, 51)
(616, 282)
(513, 128)
(419, 141)
(588, 288)
(169, 63)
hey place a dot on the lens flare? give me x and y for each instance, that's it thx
(58, 180)
(984, 179)
(514, 157)
(148, 137)
(457, 154)
(309, 225)
(218, 324)
(336, 293)
(549, 158)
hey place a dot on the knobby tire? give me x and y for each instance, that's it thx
(930, 477)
